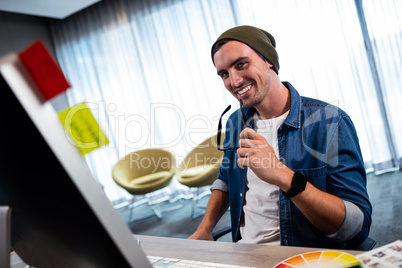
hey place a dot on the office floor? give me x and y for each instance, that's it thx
(177, 223)
(385, 193)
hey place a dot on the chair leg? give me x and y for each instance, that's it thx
(133, 204)
(154, 202)
(195, 203)
(157, 211)
(131, 207)
(154, 205)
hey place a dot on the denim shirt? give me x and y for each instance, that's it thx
(320, 141)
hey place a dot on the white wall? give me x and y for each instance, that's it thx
(18, 31)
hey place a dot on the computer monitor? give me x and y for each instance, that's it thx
(60, 217)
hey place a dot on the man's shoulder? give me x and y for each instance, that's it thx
(313, 105)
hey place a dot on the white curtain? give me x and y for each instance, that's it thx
(145, 69)
(385, 34)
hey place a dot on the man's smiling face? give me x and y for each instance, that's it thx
(245, 74)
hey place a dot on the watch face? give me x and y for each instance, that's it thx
(298, 185)
(299, 180)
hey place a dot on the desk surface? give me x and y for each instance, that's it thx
(221, 252)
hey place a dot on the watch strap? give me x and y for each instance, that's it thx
(299, 182)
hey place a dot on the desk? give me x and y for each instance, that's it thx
(221, 252)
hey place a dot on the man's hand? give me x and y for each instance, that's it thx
(217, 205)
(200, 235)
(256, 153)
(325, 211)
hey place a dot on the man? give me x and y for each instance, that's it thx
(297, 177)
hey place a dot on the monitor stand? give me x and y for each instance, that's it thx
(5, 215)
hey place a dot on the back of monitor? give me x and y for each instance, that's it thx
(60, 215)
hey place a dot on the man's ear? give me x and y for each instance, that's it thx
(270, 65)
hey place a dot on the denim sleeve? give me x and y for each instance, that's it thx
(347, 180)
(352, 224)
(221, 182)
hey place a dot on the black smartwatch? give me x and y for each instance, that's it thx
(298, 185)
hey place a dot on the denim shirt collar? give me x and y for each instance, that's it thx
(294, 117)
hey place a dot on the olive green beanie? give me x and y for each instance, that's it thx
(256, 38)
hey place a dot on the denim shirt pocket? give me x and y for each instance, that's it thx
(316, 176)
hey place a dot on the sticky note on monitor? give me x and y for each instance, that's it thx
(44, 70)
(83, 129)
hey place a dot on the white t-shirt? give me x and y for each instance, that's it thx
(260, 223)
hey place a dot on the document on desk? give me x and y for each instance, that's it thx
(389, 255)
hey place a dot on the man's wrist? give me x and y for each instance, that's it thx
(298, 185)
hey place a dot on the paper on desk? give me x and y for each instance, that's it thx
(389, 255)
(83, 129)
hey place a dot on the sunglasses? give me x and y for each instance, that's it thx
(220, 127)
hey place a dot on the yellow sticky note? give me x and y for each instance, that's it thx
(84, 131)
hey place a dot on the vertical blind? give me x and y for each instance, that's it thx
(145, 70)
